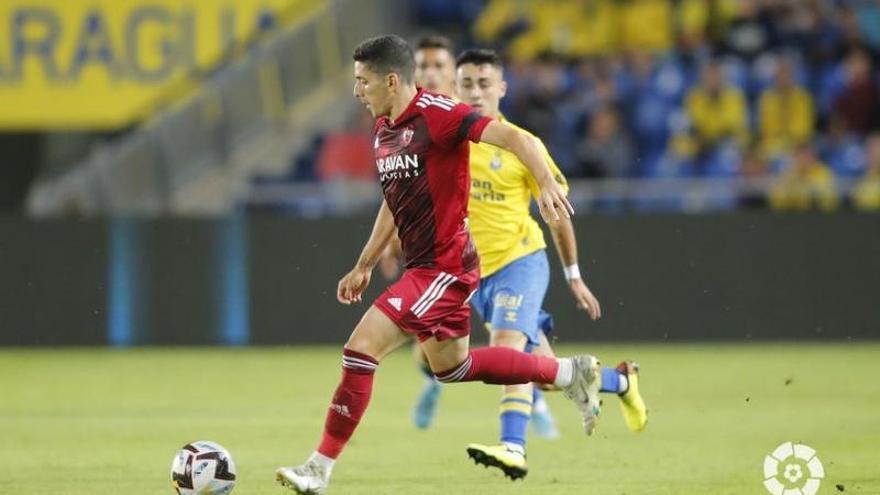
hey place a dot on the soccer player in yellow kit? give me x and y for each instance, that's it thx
(511, 248)
(514, 267)
(435, 70)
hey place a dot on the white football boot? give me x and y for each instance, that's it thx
(584, 389)
(307, 479)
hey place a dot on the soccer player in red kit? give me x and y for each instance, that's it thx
(421, 151)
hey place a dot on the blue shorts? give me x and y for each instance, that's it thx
(511, 298)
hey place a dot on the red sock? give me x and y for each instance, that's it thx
(502, 366)
(349, 402)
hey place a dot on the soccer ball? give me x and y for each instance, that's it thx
(203, 468)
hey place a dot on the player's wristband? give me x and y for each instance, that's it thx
(572, 272)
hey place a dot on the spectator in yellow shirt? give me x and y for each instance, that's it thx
(698, 21)
(717, 110)
(645, 25)
(561, 27)
(786, 113)
(866, 196)
(807, 184)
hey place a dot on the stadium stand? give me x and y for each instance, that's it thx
(709, 96)
(655, 105)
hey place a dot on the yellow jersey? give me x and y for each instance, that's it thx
(502, 189)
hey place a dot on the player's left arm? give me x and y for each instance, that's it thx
(552, 201)
(566, 246)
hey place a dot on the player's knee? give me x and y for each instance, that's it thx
(522, 388)
(362, 346)
(455, 373)
(513, 339)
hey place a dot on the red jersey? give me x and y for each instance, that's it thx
(423, 161)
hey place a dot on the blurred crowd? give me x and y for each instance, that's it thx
(779, 89)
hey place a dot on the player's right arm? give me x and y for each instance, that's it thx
(389, 264)
(552, 201)
(351, 287)
(450, 125)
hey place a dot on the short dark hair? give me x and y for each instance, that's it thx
(386, 54)
(479, 56)
(434, 41)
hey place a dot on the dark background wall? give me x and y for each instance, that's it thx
(21, 155)
(272, 280)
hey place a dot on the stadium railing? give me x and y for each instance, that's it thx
(683, 195)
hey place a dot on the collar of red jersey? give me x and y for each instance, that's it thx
(408, 110)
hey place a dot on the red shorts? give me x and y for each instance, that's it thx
(431, 303)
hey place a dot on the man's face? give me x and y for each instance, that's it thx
(481, 87)
(804, 158)
(435, 70)
(373, 90)
(713, 77)
(784, 75)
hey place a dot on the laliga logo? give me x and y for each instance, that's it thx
(793, 469)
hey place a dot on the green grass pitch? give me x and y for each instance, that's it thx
(94, 422)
